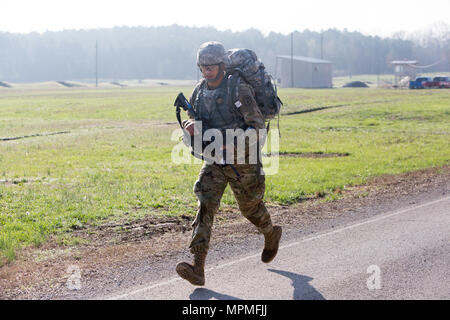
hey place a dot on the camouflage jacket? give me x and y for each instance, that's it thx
(216, 110)
(246, 107)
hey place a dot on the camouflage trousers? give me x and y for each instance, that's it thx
(249, 193)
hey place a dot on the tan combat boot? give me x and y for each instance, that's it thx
(271, 241)
(195, 274)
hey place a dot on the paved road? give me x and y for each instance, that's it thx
(403, 254)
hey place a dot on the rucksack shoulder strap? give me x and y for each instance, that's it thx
(200, 84)
(234, 81)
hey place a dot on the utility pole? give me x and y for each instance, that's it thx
(377, 57)
(321, 45)
(96, 64)
(378, 75)
(276, 69)
(449, 61)
(292, 59)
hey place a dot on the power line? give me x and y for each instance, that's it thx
(424, 67)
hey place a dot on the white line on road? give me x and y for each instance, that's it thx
(123, 296)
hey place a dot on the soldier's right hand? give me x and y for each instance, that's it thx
(189, 126)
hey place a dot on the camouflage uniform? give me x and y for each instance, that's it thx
(249, 188)
(215, 108)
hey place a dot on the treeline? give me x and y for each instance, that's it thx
(170, 52)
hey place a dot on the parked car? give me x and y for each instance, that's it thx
(419, 83)
(438, 82)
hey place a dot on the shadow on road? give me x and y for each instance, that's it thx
(206, 294)
(302, 289)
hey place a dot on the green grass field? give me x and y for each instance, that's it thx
(111, 156)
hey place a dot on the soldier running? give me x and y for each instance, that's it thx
(213, 107)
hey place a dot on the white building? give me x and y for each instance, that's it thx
(306, 72)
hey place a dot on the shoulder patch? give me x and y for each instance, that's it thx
(247, 100)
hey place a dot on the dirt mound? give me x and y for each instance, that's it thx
(355, 84)
(118, 84)
(4, 84)
(68, 84)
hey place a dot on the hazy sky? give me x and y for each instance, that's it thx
(381, 17)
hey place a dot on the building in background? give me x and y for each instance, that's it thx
(306, 72)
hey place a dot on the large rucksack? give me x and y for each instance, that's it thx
(245, 64)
